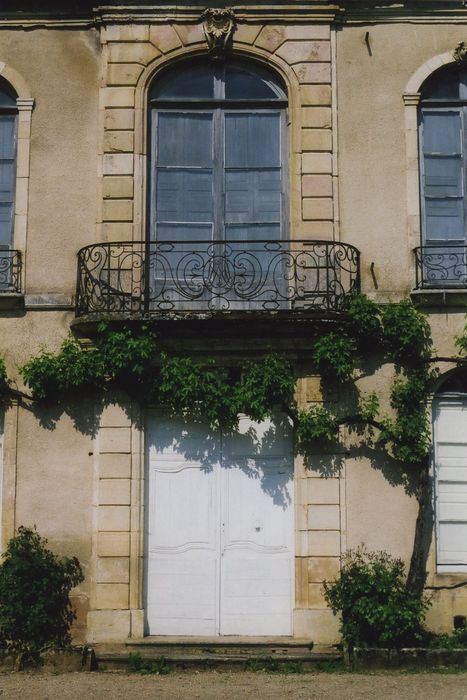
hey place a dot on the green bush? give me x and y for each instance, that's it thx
(456, 640)
(35, 608)
(376, 608)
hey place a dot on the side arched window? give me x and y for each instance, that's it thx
(217, 163)
(443, 140)
(8, 125)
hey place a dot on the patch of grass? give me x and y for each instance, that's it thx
(331, 666)
(159, 666)
(271, 665)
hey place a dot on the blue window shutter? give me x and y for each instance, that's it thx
(184, 176)
(253, 174)
(7, 178)
(443, 176)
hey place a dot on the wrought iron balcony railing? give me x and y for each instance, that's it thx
(10, 272)
(174, 277)
(441, 267)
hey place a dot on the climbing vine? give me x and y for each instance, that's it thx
(396, 333)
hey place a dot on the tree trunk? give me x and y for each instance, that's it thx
(423, 532)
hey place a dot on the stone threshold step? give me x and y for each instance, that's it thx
(225, 661)
(227, 641)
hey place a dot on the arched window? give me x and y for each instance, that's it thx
(218, 186)
(450, 472)
(442, 128)
(8, 118)
(217, 173)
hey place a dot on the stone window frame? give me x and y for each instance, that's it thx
(411, 98)
(25, 106)
(142, 145)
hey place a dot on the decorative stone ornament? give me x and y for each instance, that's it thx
(219, 26)
(460, 53)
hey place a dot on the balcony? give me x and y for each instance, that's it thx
(200, 279)
(10, 279)
(441, 275)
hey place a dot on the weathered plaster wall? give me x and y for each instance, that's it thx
(372, 143)
(61, 68)
(379, 213)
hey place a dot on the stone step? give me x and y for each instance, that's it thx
(220, 653)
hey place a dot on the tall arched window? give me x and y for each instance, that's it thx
(217, 153)
(8, 117)
(218, 181)
(450, 472)
(442, 128)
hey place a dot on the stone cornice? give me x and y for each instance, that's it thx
(84, 13)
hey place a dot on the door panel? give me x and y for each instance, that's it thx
(220, 529)
(182, 557)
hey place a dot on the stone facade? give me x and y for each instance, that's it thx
(353, 76)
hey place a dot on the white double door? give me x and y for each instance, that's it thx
(219, 549)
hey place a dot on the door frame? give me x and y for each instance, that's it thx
(145, 538)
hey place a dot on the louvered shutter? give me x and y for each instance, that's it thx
(450, 433)
(252, 176)
(7, 178)
(443, 177)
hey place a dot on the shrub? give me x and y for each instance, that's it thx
(376, 607)
(455, 640)
(35, 609)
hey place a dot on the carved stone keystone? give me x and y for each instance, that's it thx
(219, 26)
(460, 53)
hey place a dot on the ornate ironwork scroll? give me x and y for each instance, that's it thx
(219, 26)
(10, 272)
(441, 267)
(178, 277)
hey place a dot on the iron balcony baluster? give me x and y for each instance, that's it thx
(177, 277)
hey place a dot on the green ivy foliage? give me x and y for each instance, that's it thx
(49, 375)
(365, 323)
(35, 609)
(315, 423)
(333, 355)
(3, 372)
(204, 391)
(406, 333)
(461, 342)
(376, 607)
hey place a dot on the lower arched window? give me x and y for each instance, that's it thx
(450, 472)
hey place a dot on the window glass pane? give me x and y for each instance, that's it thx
(441, 132)
(6, 180)
(184, 139)
(184, 233)
(6, 221)
(241, 83)
(7, 95)
(184, 195)
(442, 85)
(252, 196)
(7, 135)
(251, 233)
(185, 83)
(252, 140)
(443, 176)
(444, 219)
(456, 382)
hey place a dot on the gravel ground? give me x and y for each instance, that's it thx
(229, 686)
